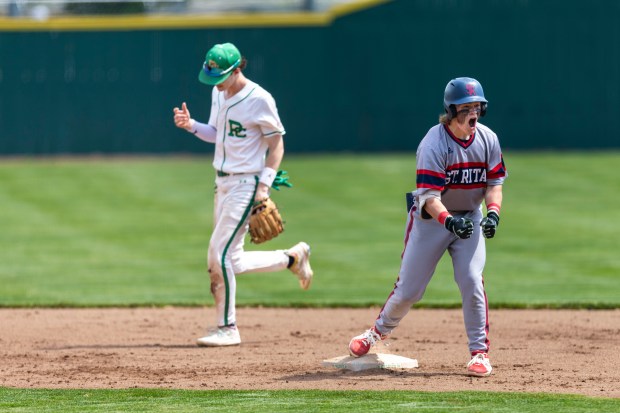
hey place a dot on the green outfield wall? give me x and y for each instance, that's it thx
(361, 79)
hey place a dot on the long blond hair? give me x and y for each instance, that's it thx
(445, 119)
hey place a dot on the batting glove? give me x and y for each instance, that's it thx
(489, 224)
(461, 227)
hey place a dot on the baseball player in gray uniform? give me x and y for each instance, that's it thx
(459, 165)
(247, 132)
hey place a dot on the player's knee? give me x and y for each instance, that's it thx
(217, 280)
(215, 273)
(469, 286)
(407, 297)
(216, 286)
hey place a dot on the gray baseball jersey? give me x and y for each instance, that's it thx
(460, 171)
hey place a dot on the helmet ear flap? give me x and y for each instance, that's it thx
(452, 111)
(483, 108)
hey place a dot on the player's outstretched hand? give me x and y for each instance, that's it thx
(489, 224)
(461, 227)
(182, 118)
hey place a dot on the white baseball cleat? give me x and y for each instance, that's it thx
(479, 365)
(301, 266)
(220, 336)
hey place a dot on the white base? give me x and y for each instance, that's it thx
(371, 361)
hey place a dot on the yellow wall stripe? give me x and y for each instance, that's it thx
(205, 21)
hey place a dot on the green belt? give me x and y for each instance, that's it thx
(220, 173)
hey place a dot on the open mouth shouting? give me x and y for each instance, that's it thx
(472, 122)
(467, 116)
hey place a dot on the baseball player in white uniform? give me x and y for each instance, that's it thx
(459, 165)
(247, 132)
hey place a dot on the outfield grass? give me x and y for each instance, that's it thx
(116, 232)
(152, 401)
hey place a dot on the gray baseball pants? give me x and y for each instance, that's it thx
(426, 240)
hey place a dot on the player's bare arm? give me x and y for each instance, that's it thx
(272, 163)
(493, 195)
(435, 207)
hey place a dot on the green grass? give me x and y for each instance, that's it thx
(140, 400)
(116, 232)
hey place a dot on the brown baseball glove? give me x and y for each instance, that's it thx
(265, 221)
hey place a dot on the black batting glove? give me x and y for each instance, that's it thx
(489, 224)
(461, 227)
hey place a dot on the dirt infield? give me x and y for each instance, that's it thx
(532, 351)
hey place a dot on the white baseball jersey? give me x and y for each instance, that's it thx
(242, 123)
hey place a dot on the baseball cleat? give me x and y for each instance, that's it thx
(301, 265)
(220, 336)
(479, 365)
(360, 345)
